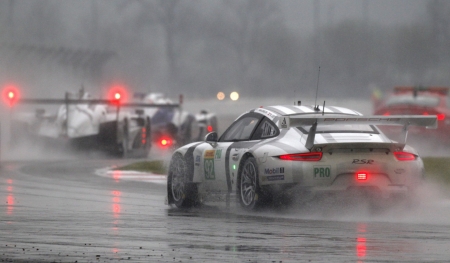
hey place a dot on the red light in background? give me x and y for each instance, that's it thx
(165, 142)
(361, 176)
(425, 113)
(117, 94)
(361, 247)
(387, 113)
(209, 128)
(440, 116)
(10, 95)
(143, 135)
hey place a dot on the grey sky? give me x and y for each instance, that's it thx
(300, 13)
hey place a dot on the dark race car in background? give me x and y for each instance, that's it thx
(174, 126)
(426, 101)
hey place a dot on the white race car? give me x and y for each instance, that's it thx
(274, 150)
(111, 126)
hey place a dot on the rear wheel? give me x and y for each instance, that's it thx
(250, 195)
(184, 193)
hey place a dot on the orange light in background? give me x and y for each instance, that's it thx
(220, 95)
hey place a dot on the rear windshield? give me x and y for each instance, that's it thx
(422, 101)
(350, 128)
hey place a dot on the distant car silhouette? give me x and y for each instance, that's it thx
(426, 101)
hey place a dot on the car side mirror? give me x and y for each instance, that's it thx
(212, 138)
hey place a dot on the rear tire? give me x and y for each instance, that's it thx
(184, 193)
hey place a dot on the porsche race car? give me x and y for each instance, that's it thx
(271, 151)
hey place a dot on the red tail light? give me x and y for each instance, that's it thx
(440, 116)
(308, 157)
(387, 113)
(361, 176)
(209, 128)
(165, 142)
(405, 156)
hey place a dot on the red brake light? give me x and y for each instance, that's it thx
(165, 142)
(440, 116)
(11, 95)
(117, 95)
(404, 156)
(387, 113)
(309, 157)
(360, 176)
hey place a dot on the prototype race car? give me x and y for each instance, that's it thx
(86, 123)
(271, 151)
(173, 127)
(418, 101)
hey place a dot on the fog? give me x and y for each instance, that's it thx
(259, 48)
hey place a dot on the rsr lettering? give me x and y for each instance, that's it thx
(363, 161)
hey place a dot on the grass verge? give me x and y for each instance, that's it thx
(156, 167)
(438, 169)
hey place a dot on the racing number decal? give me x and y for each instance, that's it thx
(322, 171)
(208, 164)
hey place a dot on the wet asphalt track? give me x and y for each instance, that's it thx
(62, 211)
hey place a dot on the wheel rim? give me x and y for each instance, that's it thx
(248, 184)
(178, 180)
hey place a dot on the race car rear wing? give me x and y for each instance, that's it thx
(286, 122)
(94, 101)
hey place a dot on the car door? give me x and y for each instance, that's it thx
(215, 160)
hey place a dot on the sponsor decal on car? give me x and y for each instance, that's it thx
(197, 160)
(266, 113)
(218, 154)
(284, 123)
(278, 170)
(275, 177)
(322, 172)
(208, 165)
